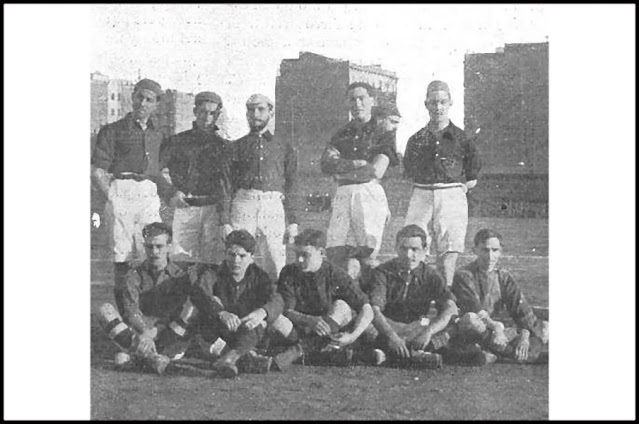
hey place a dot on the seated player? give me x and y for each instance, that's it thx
(486, 290)
(401, 291)
(154, 306)
(235, 301)
(320, 301)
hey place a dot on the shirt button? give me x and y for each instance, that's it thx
(436, 155)
(437, 142)
(355, 148)
(261, 157)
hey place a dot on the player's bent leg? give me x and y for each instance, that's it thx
(339, 315)
(242, 342)
(125, 338)
(175, 339)
(113, 325)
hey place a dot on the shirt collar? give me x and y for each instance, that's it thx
(266, 135)
(474, 266)
(171, 269)
(212, 129)
(370, 126)
(398, 269)
(135, 123)
(447, 128)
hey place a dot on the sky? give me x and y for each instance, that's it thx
(236, 50)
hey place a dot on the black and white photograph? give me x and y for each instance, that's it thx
(323, 212)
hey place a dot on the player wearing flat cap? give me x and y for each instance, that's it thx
(358, 156)
(125, 166)
(263, 180)
(443, 165)
(196, 164)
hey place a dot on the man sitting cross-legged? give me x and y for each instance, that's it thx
(401, 291)
(235, 301)
(482, 290)
(320, 301)
(153, 299)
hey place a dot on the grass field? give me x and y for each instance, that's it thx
(190, 391)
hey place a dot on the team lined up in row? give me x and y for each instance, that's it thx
(315, 313)
(216, 186)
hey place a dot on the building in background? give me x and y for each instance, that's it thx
(310, 100)
(506, 95)
(99, 102)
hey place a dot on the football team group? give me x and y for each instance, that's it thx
(193, 288)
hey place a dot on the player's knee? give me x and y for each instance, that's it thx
(282, 325)
(340, 313)
(114, 327)
(470, 324)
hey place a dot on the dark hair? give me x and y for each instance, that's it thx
(157, 228)
(412, 230)
(310, 237)
(219, 104)
(241, 238)
(369, 88)
(484, 234)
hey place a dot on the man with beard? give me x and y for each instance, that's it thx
(196, 165)
(263, 179)
(125, 166)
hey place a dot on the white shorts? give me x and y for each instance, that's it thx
(196, 235)
(131, 205)
(262, 214)
(360, 212)
(443, 214)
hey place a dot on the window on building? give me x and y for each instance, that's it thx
(112, 112)
(119, 98)
(112, 96)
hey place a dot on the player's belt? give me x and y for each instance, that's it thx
(437, 186)
(350, 182)
(129, 176)
(202, 200)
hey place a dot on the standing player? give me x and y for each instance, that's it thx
(358, 156)
(401, 291)
(125, 167)
(443, 165)
(484, 289)
(154, 305)
(196, 164)
(263, 177)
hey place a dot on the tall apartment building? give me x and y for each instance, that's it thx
(506, 95)
(99, 103)
(310, 100)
